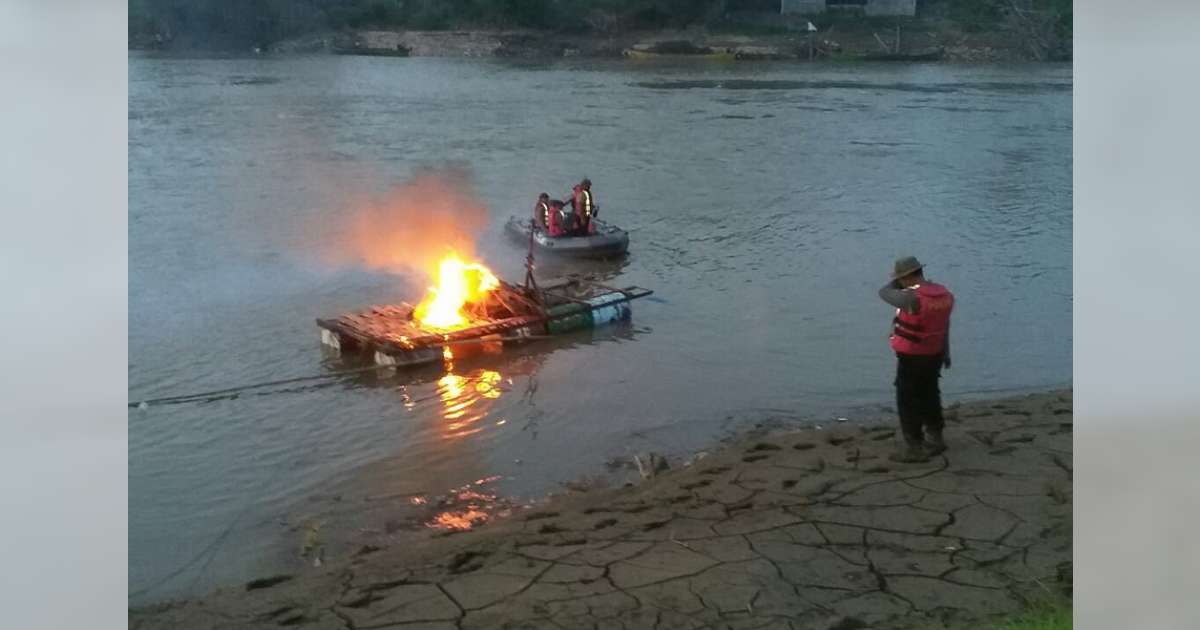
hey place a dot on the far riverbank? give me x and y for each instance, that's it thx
(844, 44)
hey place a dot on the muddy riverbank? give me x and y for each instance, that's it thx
(815, 527)
(531, 44)
(927, 40)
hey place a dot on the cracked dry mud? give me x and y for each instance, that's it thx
(813, 529)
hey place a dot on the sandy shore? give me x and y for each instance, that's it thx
(804, 529)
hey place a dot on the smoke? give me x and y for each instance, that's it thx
(414, 225)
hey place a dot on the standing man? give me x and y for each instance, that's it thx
(584, 205)
(921, 340)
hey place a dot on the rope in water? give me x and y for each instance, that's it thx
(231, 391)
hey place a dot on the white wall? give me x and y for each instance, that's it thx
(891, 7)
(801, 6)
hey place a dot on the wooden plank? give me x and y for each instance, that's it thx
(607, 288)
(566, 298)
(637, 292)
(389, 329)
(436, 339)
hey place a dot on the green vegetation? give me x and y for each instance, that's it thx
(748, 28)
(1048, 616)
(1049, 619)
(1045, 24)
(219, 23)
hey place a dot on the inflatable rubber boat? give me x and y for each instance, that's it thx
(608, 241)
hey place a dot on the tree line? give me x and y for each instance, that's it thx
(220, 23)
(241, 23)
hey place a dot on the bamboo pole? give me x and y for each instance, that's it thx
(881, 42)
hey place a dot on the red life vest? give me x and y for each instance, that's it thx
(925, 332)
(554, 225)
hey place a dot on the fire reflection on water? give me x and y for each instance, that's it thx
(469, 506)
(465, 400)
(466, 396)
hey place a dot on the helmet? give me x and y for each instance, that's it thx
(544, 196)
(586, 183)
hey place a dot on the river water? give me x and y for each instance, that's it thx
(765, 204)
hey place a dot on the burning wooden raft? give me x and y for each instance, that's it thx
(393, 334)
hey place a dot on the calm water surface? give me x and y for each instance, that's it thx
(765, 204)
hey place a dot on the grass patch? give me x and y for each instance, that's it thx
(1057, 618)
(749, 29)
(1048, 616)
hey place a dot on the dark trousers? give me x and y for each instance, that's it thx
(918, 398)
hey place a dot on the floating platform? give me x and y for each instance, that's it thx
(512, 314)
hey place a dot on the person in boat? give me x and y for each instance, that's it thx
(584, 205)
(556, 218)
(921, 340)
(541, 211)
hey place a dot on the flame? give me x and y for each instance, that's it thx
(458, 284)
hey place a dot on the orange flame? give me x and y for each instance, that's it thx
(458, 284)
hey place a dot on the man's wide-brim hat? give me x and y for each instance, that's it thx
(905, 266)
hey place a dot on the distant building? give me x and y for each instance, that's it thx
(868, 7)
